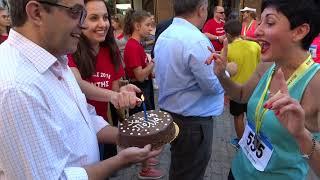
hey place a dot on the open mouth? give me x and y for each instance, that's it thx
(265, 46)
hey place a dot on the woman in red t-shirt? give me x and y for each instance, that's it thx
(97, 64)
(138, 25)
(4, 24)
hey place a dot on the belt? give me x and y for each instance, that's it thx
(188, 117)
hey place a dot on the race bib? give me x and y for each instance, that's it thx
(257, 149)
(313, 51)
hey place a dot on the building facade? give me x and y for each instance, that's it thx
(162, 9)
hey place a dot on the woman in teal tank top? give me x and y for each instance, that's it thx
(281, 138)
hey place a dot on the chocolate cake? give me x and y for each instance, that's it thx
(158, 130)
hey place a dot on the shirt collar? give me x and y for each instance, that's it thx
(39, 57)
(183, 22)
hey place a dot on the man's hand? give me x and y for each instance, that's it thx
(126, 98)
(221, 60)
(221, 38)
(134, 155)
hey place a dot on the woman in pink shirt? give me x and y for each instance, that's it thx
(315, 49)
(249, 23)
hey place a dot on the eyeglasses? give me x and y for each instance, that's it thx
(76, 12)
(220, 12)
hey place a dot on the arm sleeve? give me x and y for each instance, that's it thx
(132, 56)
(204, 75)
(207, 27)
(97, 121)
(32, 144)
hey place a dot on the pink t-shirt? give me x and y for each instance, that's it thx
(248, 31)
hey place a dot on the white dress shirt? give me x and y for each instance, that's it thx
(47, 129)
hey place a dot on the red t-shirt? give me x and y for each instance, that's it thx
(134, 56)
(315, 49)
(249, 30)
(214, 28)
(3, 38)
(120, 36)
(104, 76)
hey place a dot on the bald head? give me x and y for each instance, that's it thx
(218, 8)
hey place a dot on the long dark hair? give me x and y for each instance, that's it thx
(84, 57)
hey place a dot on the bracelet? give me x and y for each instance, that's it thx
(313, 148)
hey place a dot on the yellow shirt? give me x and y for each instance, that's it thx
(246, 54)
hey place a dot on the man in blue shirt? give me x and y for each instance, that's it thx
(188, 88)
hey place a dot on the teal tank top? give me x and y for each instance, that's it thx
(286, 162)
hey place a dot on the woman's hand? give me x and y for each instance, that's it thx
(288, 110)
(126, 98)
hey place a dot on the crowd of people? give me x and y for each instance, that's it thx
(71, 70)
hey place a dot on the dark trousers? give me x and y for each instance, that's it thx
(191, 150)
(230, 176)
(109, 150)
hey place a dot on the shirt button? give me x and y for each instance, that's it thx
(60, 78)
(56, 64)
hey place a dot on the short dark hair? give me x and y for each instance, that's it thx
(17, 11)
(185, 7)
(234, 15)
(299, 12)
(233, 27)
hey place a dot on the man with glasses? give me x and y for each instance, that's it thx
(214, 30)
(47, 130)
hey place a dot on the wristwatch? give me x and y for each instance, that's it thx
(217, 38)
